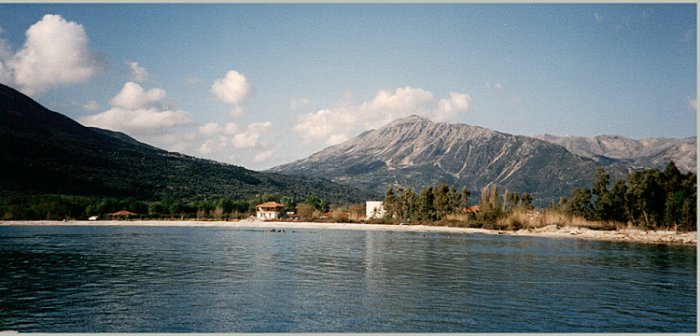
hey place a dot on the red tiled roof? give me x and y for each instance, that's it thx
(123, 213)
(270, 205)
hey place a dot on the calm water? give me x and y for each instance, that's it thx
(173, 279)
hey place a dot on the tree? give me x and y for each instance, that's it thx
(390, 203)
(464, 198)
(602, 205)
(426, 209)
(646, 197)
(618, 201)
(526, 200)
(441, 201)
(408, 208)
(580, 203)
(305, 211)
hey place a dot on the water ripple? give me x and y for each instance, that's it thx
(150, 279)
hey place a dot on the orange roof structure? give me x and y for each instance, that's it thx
(270, 205)
(122, 213)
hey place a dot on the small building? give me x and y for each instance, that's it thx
(269, 210)
(374, 209)
(123, 214)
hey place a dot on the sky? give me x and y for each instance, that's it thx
(259, 85)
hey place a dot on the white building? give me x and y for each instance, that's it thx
(269, 210)
(374, 209)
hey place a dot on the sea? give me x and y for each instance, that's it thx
(94, 279)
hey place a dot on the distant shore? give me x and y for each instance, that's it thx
(627, 235)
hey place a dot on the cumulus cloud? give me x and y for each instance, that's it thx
(250, 138)
(296, 104)
(91, 106)
(55, 52)
(212, 128)
(133, 96)
(213, 145)
(262, 156)
(138, 73)
(693, 103)
(229, 140)
(233, 89)
(175, 141)
(137, 111)
(338, 123)
(448, 109)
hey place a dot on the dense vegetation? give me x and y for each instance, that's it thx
(60, 207)
(54, 167)
(443, 202)
(650, 199)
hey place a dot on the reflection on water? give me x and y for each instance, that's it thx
(177, 279)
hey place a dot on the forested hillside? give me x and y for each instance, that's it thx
(47, 153)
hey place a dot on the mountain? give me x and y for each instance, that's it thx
(44, 152)
(645, 153)
(416, 152)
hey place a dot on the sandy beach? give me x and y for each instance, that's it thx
(629, 235)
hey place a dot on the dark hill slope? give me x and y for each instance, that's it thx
(44, 152)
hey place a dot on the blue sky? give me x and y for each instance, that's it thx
(262, 85)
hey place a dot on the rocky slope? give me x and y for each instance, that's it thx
(416, 152)
(645, 153)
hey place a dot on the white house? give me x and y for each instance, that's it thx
(374, 209)
(269, 210)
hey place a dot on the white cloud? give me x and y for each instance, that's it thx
(136, 111)
(335, 139)
(250, 138)
(338, 123)
(175, 141)
(140, 121)
(499, 87)
(598, 17)
(55, 52)
(133, 96)
(213, 145)
(296, 104)
(138, 73)
(401, 99)
(262, 157)
(448, 109)
(91, 106)
(233, 89)
(693, 103)
(212, 128)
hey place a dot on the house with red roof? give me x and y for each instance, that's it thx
(269, 210)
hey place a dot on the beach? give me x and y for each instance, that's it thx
(552, 231)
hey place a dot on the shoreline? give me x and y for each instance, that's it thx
(552, 231)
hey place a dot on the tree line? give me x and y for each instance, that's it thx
(649, 198)
(441, 202)
(60, 207)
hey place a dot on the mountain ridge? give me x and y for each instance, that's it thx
(648, 152)
(416, 152)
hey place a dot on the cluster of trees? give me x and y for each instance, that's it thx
(649, 198)
(431, 204)
(492, 206)
(435, 203)
(59, 207)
